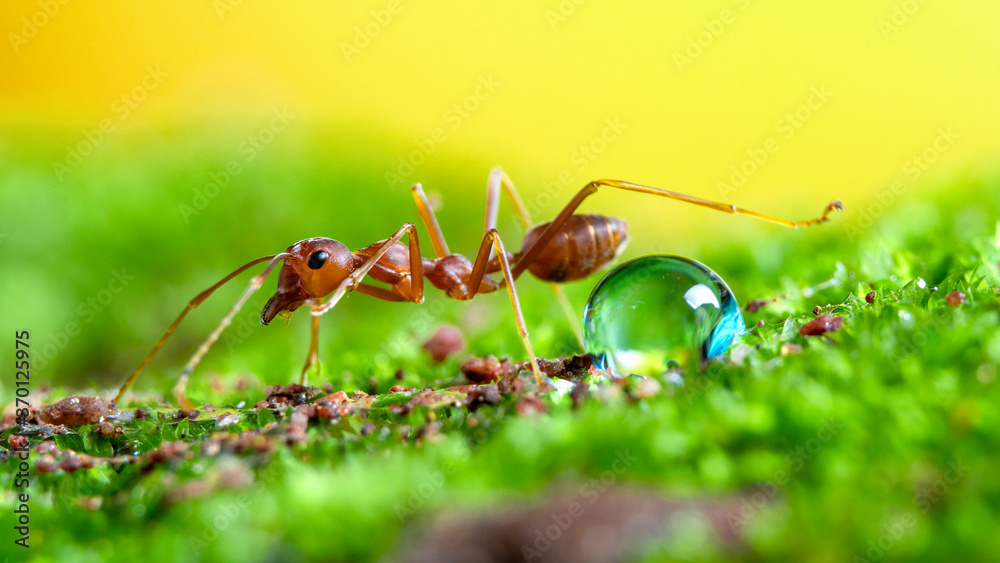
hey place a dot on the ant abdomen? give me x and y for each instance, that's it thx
(584, 245)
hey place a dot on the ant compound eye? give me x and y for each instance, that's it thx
(317, 259)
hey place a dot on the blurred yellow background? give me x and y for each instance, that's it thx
(695, 88)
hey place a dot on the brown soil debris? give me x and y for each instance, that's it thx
(758, 304)
(594, 527)
(571, 367)
(488, 369)
(482, 395)
(822, 325)
(531, 405)
(445, 341)
(77, 410)
(18, 442)
(293, 394)
(105, 428)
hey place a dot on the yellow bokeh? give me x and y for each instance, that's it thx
(839, 98)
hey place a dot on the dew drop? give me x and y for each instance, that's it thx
(655, 313)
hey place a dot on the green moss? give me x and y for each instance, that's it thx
(892, 417)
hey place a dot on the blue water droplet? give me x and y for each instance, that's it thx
(657, 311)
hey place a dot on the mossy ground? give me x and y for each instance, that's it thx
(880, 442)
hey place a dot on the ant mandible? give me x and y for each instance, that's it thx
(568, 248)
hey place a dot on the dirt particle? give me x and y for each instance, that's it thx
(190, 415)
(228, 419)
(482, 395)
(531, 405)
(105, 428)
(166, 452)
(77, 410)
(336, 398)
(445, 341)
(46, 447)
(75, 462)
(486, 370)
(955, 298)
(298, 424)
(46, 464)
(822, 325)
(565, 368)
(293, 394)
(18, 442)
(757, 305)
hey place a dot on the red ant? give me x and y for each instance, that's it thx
(569, 248)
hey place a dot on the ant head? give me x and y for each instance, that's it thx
(313, 269)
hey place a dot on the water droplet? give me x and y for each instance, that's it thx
(657, 312)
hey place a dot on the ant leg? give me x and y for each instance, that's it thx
(353, 281)
(497, 179)
(492, 239)
(255, 284)
(379, 292)
(191, 305)
(529, 254)
(312, 357)
(430, 221)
